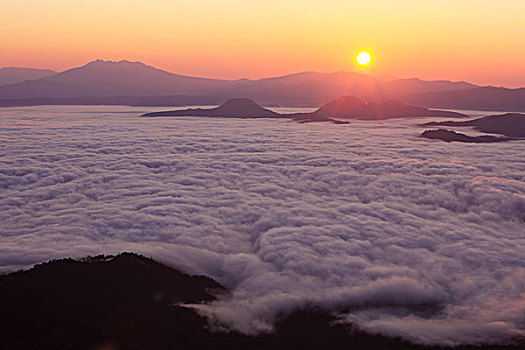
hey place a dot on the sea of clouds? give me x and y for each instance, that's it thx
(397, 234)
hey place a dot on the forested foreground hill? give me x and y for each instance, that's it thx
(132, 302)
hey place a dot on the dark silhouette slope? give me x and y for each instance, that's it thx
(509, 124)
(115, 301)
(131, 302)
(449, 136)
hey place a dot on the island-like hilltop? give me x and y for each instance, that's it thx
(347, 107)
(450, 136)
(233, 108)
(508, 124)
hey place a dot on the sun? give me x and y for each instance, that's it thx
(363, 58)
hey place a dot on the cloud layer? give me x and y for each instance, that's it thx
(398, 234)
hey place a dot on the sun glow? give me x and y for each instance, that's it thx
(364, 58)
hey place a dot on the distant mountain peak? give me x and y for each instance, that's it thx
(114, 71)
(99, 62)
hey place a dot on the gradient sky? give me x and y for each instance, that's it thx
(480, 41)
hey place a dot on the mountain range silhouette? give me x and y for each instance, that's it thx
(135, 83)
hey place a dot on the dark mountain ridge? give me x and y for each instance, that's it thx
(132, 302)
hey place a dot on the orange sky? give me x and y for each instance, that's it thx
(479, 41)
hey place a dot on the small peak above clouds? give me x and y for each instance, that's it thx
(232, 108)
(113, 63)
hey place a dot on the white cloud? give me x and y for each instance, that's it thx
(411, 237)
